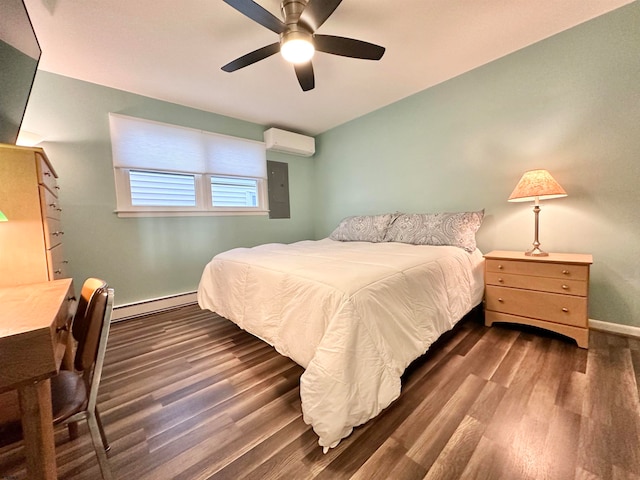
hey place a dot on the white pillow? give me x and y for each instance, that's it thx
(456, 229)
(363, 228)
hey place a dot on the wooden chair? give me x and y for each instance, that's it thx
(74, 393)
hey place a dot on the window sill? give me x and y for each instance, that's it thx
(208, 213)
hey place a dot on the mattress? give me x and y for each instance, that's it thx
(353, 314)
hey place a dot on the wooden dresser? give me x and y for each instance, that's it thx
(548, 292)
(31, 241)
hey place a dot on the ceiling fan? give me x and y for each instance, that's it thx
(298, 40)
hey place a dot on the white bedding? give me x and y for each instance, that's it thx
(353, 314)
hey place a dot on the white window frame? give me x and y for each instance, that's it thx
(204, 202)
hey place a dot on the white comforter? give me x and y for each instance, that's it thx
(353, 314)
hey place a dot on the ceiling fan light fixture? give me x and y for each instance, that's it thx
(297, 47)
(298, 39)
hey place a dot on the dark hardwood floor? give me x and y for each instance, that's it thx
(187, 395)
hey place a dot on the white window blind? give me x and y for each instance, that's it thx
(167, 168)
(234, 156)
(234, 192)
(145, 144)
(162, 189)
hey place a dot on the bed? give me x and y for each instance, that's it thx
(354, 314)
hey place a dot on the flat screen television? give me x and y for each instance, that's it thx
(19, 57)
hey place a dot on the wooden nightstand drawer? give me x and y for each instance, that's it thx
(544, 284)
(553, 270)
(553, 307)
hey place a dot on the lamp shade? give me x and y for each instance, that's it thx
(536, 184)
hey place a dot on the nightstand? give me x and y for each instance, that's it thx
(548, 292)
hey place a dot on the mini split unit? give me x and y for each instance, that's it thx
(288, 142)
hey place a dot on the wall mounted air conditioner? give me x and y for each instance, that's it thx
(289, 142)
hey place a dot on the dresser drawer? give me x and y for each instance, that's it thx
(544, 284)
(564, 309)
(46, 175)
(49, 203)
(57, 262)
(53, 232)
(538, 269)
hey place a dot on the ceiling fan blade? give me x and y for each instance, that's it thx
(304, 72)
(258, 14)
(252, 57)
(348, 47)
(317, 11)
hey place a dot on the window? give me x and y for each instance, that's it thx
(163, 169)
(161, 189)
(234, 192)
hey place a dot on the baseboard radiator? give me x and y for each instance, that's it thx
(146, 307)
(155, 305)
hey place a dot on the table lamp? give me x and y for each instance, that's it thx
(536, 185)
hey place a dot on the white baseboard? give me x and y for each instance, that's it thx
(145, 307)
(618, 328)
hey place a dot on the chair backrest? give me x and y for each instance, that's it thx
(87, 322)
(104, 307)
(91, 329)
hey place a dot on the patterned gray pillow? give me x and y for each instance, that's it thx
(456, 229)
(363, 228)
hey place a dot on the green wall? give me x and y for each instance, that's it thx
(143, 258)
(570, 104)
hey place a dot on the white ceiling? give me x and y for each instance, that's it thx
(173, 50)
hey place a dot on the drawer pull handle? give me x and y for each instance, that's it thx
(565, 287)
(64, 328)
(53, 205)
(57, 272)
(47, 174)
(565, 309)
(71, 298)
(500, 299)
(56, 233)
(500, 267)
(500, 280)
(57, 187)
(565, 272)
(65, 261)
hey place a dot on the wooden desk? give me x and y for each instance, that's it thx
(32, 344)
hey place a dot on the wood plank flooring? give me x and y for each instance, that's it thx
(187, 395)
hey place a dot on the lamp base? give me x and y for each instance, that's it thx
(536, 252)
